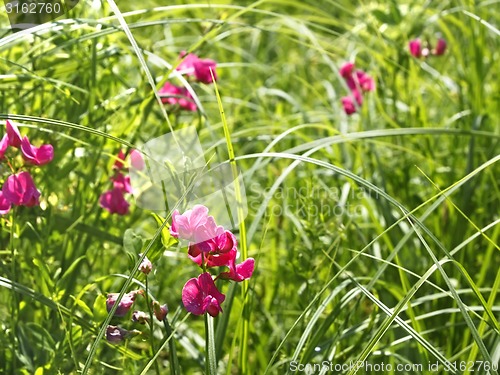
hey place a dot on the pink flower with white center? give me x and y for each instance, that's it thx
(146, 266)
(191, 225)
(175, 95)
(440, 47)
(122, 182)
(36, 155)
(415, 47)
(13, 134)
(202, 69)
(200, 296)
(239, 272)
(20, 190)
(124, 305)
(136, 160)
(114, 202)
(4, 144)
(4, 204)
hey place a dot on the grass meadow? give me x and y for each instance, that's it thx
(375, 235)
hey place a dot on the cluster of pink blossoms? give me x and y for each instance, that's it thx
(210, 246)
(19, 189)
(116, 334)
(191, 66)
(418, 50)
(114, 200)
(358, 82)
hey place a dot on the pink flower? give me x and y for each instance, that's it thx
(13, 134)
(175, 95)
(146, 266)
(216, 252)
(347, 69)
(202, 69)
(115, 334)
(365, 82)
(200, 295)
(348, 102)
(120, 158)
(191, 224)
(440, 47)
(139, 317)
(415, 47)
(4, 204)
(122, 182)
(114, 202)
(136, 160)
(239, 272)
(36, 155)
(4, 144)
(124, 305)
(20, 190)
(160, 311)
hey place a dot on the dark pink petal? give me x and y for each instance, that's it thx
(136, 160)
(211, 306)
(347, 69)
(36, 155)
(207, 286)
(239, 272)
(440, 47)
(348, 104)
(226, 242)
(192, 297)
(4, 204)
(187, 64)
(175, 95)
(203, 70)
(365, 82)
(122, 182)
(13, 134)
(120, 158)
(114, 202)
(4, 144)
(123, 306)
(415, 47)
(20, 190)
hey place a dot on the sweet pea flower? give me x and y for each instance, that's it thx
(200, 295)
(124, 305)
(139, 317)
(175, 95)
(160, 311)
(191, 225)
(114, 202)
(136, 160)
(202, 69)
(122, 182)
(220, 250)
(36, 155)
(440, 47)
(415, 47)
(13, 134)
(120, 159)
(348, 102)
(20, 190)
(4, 144)
(4, 204)
(346, 70)
(146, 266)
(239, 272)
(115, 334)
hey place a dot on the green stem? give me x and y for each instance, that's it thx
(14, 305)
(210, 360)
(174, 363)
(151, 326)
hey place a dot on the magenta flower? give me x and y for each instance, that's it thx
(124, 305)
(120, 159)
(202, 69)
(347, 69)
(115, 334)
(175, 95)
(136, 160)
(36, 155)
(415, 47)
(13, 134)
(20, 190)
(218, 251)
(146, 266)
(239, 272)
(160, 311)
(440, 47)
(348, 102)
(191, 225)
(4, 204)
(114, 202)
(122, 182)
(200, 295)
(4, 144)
